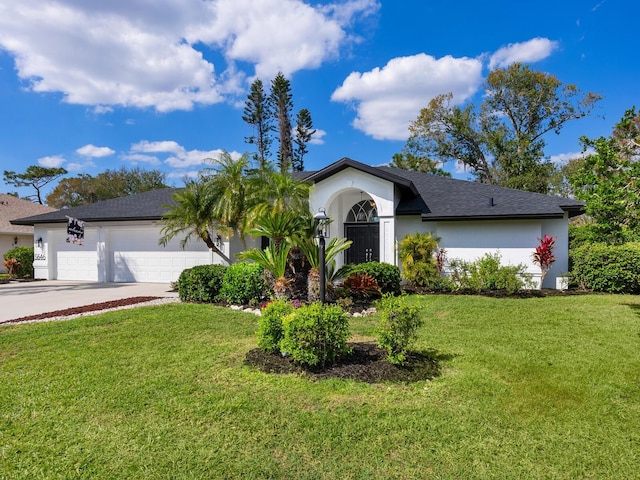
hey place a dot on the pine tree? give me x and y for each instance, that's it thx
(282, 103)
(304, 132)
(258, 114)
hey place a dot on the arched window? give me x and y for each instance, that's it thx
(364, 211)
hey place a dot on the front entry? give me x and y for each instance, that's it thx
(366, 242)
(362, 228)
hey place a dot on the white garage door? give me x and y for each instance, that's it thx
(136, 256)
(75, 262)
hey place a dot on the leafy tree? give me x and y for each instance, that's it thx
(608, 180)
(408, 161)
(35, 176)
(258, 114)
(85, 189)
(304, 132)
(192, 214)
(502, 140)
(282, 102)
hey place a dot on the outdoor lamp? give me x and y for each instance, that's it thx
(321, 219)
(39, 242)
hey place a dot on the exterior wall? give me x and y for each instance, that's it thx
(7, 242)
(514, 240)
(340, 192)
(121, 252)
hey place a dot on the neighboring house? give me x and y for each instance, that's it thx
(12, 236)
(376, 207)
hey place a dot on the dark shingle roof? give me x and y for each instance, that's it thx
(143, 206)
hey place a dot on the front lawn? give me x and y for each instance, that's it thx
(530, 388)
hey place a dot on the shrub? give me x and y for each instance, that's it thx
(24, 257)
(243, 283)
(607, 268)
(387, 275)
(486, 273)
(270, 331)
(398, 327)
(419, 266)
(201, 284)
(543, 255)
(361, 286)
(316, 334)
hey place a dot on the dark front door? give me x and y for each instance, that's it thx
(366, 242)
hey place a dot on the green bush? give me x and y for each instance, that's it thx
(244, 283)
(387, 275)
(419, 266)
(24, 256)
(486, 273)
(201, 284)
(607, 268)
(270, 332)
(398, 327)
(316, 334)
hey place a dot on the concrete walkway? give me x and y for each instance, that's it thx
(21, 299)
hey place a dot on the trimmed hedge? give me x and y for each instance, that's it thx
(607, 268)
(201, 284)
(244, 283)
(387, 275)
(24, 256)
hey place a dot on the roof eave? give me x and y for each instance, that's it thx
(461, 218)
(27, 221)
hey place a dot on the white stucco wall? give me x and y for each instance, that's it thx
(7, 242)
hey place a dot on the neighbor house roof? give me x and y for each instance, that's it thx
(142, 206)
(435, 197)
(12, 208)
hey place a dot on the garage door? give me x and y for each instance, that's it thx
(136, 256)
(75, 262)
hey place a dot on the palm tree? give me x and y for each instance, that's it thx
(311, 252)
(192, 213)
(280, 227)
(279, 192)
(229, 183)
(274, 260)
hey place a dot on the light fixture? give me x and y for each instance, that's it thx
(39, 242)
(321, 220)
(15, 240)
(218, 241)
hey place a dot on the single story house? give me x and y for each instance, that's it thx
(11, 236)
(376, 207)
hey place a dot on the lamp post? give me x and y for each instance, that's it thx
(321, 219)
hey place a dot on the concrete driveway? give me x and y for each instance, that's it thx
(21, 299)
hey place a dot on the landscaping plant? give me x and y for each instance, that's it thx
(607, 268)
(398, 327)
(486, 273)
(361, 286)
(23, 265)
(387, 275)
(244, 283)
(201, 284)
(419, 266)
(274, 260)
(270, 332)
(315, 334)
(543, 256)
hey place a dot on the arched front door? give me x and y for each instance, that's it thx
(362, 227)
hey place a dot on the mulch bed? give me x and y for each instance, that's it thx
(83, 309)
(367, 363)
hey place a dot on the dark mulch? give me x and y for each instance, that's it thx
(83, 309)
(367, 363)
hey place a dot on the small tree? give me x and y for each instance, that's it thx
(543, 256)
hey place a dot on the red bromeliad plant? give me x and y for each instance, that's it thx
(543, 255)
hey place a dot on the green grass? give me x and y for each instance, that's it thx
(531, 388)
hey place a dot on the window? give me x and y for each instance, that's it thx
(364, 211)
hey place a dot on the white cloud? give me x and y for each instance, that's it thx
(166, 146)
(145, 54)
(140, 158)
(533, 50)
(53, 161)
(318, 137)
(387, 99)
(562, 159)
(94, 152)
(80, 167)
(172, 154)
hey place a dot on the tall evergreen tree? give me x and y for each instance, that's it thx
(258, 114)
(304, 132)
(282, 103)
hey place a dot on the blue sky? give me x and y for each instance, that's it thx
(90, 85)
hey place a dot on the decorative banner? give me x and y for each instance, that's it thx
(75, 231)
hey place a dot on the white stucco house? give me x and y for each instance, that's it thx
(376, 207)
(12, 236)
